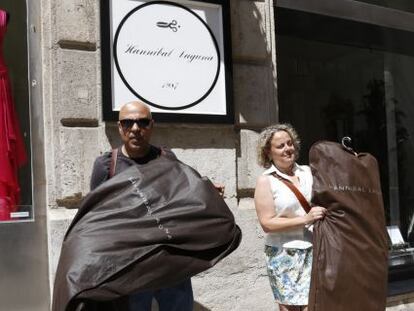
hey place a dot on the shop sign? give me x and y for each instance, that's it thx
(174, 56)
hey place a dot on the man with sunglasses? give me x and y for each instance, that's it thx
(135, 127)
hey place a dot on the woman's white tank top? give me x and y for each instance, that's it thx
(287, 204)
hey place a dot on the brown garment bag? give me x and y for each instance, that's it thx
(350, 264)
(148, 227)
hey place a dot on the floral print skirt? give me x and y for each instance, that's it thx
(289, 272)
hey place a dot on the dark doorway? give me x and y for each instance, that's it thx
(339, 78)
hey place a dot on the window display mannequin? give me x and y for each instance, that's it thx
(12, 151)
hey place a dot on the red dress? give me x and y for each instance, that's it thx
(12, 151)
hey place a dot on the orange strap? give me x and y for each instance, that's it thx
(295, 190)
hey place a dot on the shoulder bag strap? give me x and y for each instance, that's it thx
(114, 158)
(295, 190)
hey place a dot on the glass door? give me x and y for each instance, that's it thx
(354, 81)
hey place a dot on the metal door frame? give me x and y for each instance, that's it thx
(355, 11)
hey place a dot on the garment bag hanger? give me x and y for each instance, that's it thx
(347, 145)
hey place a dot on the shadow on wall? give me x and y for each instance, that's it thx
(254, 77)
(188, 137)
(199, 307)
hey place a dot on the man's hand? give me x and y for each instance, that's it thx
(219, 188)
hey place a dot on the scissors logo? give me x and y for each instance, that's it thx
(173, 25)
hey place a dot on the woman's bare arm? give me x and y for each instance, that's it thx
(266, 214)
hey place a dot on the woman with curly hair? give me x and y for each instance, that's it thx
(288, 247)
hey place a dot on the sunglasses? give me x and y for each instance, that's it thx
(127, 124)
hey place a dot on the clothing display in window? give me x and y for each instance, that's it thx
(12, 150)
(350, 248)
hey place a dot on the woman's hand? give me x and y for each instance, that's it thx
(316, 213)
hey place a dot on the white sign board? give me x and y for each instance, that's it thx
(170, 55)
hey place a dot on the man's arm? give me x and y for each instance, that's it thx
(100, 171)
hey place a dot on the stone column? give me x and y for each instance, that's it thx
(72, 109)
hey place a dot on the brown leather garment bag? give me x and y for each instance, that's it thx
(350, 245)
(146, 228)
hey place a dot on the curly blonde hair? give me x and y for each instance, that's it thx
(265, 137)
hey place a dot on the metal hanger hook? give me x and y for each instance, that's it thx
(347, 143)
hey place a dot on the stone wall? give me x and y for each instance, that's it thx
(76, 134)
(401, 303)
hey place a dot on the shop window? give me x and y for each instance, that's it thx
(341, 78)
(15, 150)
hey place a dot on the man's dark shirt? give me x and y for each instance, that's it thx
(101, 167)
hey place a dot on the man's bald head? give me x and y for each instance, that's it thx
(134, 107)
(135, 128)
